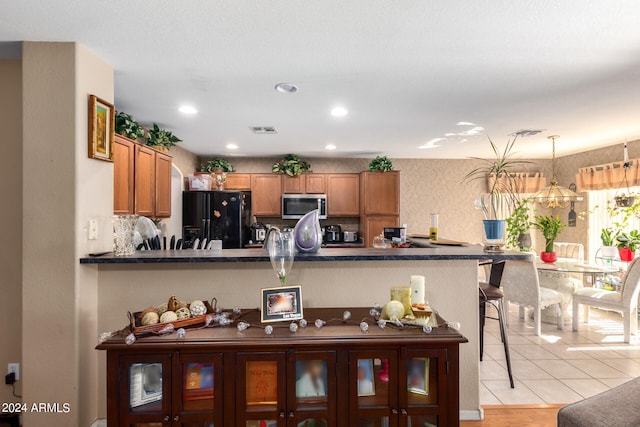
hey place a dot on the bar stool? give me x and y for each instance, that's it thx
(490, 293)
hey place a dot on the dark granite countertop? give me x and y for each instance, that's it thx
(325, 254)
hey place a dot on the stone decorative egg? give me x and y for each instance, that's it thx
(198, 308)
(149, 318)
(161, 308)
(183, 313)
(168, 316)
(173, 304)
(394, 310)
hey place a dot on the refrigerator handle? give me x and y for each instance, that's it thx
(204, 228)
(209, 229)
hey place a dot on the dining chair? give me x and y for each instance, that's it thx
(569, 250)
(521, 286)
(490, 293)
(625, 301)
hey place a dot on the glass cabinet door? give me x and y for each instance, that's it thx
(197, 390)
(422, 391)
(311, 389)
(373, 385)
(145, 381)
(261, 390)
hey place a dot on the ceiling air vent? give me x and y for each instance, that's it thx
(527, 132)
(263, 130)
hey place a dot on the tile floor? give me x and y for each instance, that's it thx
(559, 366)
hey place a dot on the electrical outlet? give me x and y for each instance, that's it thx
(93, 229)
(14, 368)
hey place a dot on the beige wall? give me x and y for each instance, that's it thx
(184, 160)
(63, 189)
(11, 224)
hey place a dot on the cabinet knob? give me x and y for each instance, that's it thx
(166, 418)
(403, 412)
(281, 415)
(176, 418)
(394, 411)
(292, 415)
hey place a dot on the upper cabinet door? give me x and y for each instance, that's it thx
(163, 168)
(293, 184)
(343, 194)
(380, 193)
(123, 160)
(315, 183)
(266, 192)
(238, 181)
(145, 181)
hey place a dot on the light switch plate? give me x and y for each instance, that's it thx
(15, 368)
(93, 229)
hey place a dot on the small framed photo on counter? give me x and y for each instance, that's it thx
(281, 304)
(101, 128)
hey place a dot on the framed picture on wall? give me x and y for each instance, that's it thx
(101, 125)
(281, 304)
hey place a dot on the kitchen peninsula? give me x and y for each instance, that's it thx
(330, 278)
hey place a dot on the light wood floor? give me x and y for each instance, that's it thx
(517, 416)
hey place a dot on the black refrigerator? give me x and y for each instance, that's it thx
(216, 215)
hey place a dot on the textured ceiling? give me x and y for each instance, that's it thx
(407, 71)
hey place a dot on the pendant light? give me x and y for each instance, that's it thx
(555, 196)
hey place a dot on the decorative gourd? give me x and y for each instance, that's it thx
(173, 303)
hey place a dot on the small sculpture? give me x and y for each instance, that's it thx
(308, 233)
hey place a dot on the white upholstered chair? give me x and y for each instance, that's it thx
(521, 286)
(625, 301)
(569, 250)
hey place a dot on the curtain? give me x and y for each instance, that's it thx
(524, 182)
(610, 176)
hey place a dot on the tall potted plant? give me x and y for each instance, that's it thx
(502, 197)
(609, 245)
(550, 227)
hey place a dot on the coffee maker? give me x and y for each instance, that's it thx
(258, 232)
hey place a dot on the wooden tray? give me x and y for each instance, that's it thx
(139, 329)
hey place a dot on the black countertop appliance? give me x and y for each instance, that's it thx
(333, 234)
(217, 215)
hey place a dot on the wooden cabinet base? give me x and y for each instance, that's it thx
(335, 376)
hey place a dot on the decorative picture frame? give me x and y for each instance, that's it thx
(418, 375)
(365, 378)
(101, 129)
(281, 304)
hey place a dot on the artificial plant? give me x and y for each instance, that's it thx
(127, 126)
(216, 164)
(291, 165)
(161, 138)
(381, 164)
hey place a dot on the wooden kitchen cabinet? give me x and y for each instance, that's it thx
(238, 181)
(342, 377)
(162, 192)
(141, 180)
(124, 151)
(380, 193)
(266, 192)
(309, 183)
(371, 226)
(343, 194)
(145, 181)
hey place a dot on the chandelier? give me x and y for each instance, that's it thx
(555, 196)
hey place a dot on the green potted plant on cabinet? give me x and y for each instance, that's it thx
(216, 165)
(499, 171)
(628, 244)
(550, 227)
(518, 226)
(291, 165)
(161, 139)
(127, 126)
(381, 164)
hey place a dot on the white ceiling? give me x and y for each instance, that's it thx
(407, 70)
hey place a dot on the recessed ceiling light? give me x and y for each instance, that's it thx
(465, 124)
(286, 88)
(339, 112)
(187, 109)
(232, 147)
(330, 147)
(432, 143)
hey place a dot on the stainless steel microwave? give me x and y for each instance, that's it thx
(295, 206)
